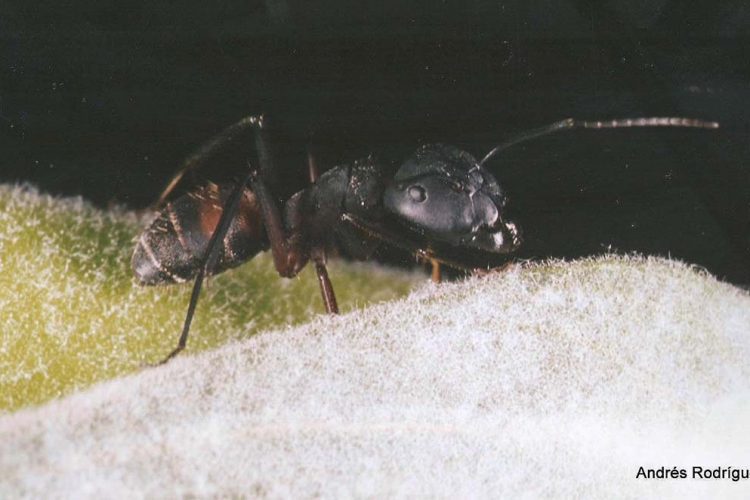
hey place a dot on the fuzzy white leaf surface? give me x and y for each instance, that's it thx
(558, 379)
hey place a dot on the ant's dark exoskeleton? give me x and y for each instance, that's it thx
(439, 198)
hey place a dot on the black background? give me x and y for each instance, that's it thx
(104, 98)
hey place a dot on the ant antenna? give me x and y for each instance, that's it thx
(572, 123)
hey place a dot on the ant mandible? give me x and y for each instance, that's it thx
(440, 197)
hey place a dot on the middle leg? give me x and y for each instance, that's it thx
(319, 256)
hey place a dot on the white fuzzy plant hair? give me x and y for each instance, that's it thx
(551, 379)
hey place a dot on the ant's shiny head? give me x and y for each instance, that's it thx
(444, 194)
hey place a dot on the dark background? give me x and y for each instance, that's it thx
(104, 98)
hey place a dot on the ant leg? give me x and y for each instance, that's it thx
(572, 123)
(288, 257)
(209, 260)
(326, 288)
(213, 145)
(319, 256)
(383, 234)
(437, 275)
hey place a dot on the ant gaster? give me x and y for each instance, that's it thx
(440, 197)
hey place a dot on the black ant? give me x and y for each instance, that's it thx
(440, 198)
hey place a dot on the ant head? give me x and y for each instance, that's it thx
(444, 194)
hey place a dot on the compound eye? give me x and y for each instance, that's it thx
(417, 193)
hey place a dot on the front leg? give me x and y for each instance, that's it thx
(382, 233)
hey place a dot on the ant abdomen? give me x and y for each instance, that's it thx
(171, 249)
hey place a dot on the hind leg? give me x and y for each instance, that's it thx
(208, 149)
